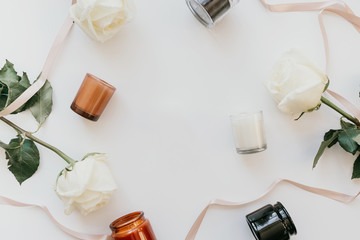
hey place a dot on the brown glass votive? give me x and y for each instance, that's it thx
(92, 97)
(133, 226)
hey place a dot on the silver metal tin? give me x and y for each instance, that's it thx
(208, 12)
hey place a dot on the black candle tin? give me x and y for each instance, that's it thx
(208, 12)
(271, 223)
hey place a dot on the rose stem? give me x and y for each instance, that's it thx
(339, 110)
(35, 139)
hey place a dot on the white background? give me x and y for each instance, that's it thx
(167, 130)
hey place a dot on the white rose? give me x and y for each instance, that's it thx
(296, 84)
(102, 19)
(87, 186)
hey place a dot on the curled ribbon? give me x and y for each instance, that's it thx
(340, 197)
(35, 87)
(342, 9)
(335, 6)
(22, 99)
(11, 202)
(338, 7)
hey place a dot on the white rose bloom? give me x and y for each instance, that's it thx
(88, 186)
(102, 19)
(296, 84)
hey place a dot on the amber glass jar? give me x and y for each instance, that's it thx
(92, 97)
(133, 226)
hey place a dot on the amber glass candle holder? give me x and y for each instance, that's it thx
(92, 97)
(133, 226)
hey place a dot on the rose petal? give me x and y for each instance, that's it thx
(296, 84)
(102, 19)
(88, 186)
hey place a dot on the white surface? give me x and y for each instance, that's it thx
(167, 130)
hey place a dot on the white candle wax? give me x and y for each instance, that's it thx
(248, 132)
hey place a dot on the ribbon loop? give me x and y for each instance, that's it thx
(340, 197)
(11, 202)
(334, 6)
(35, 87)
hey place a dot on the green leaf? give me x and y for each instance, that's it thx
(41, 103)
(15, 85)
(23, 157)
(346, 140)
(356, 168)
(8, 75)
(25, 83)
(346, 125)
(12, 86)
(3, 96)
(330, 136)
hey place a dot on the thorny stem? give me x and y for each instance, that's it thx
(35, 139)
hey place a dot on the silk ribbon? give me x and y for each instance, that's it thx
(340, 197)
(342, 9)
(338, 7)
(36, 86)
(22, 99)
(335, 6)
(11, 202)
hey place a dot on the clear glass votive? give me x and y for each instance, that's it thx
(209, 12)
(248, 130)
(92, 97)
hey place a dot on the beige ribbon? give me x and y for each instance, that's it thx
(342, 9)
(340, 197)
(338, 7)
(22, 99)
(348, 105)
(335, 6)
(11, 202)
(35, 87)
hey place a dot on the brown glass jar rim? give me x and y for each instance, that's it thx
(126, 220)
(101, 81)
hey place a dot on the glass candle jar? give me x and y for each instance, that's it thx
(133, 226)
(248, 131)
(92, 97)
(209, 12)
(271, 223)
